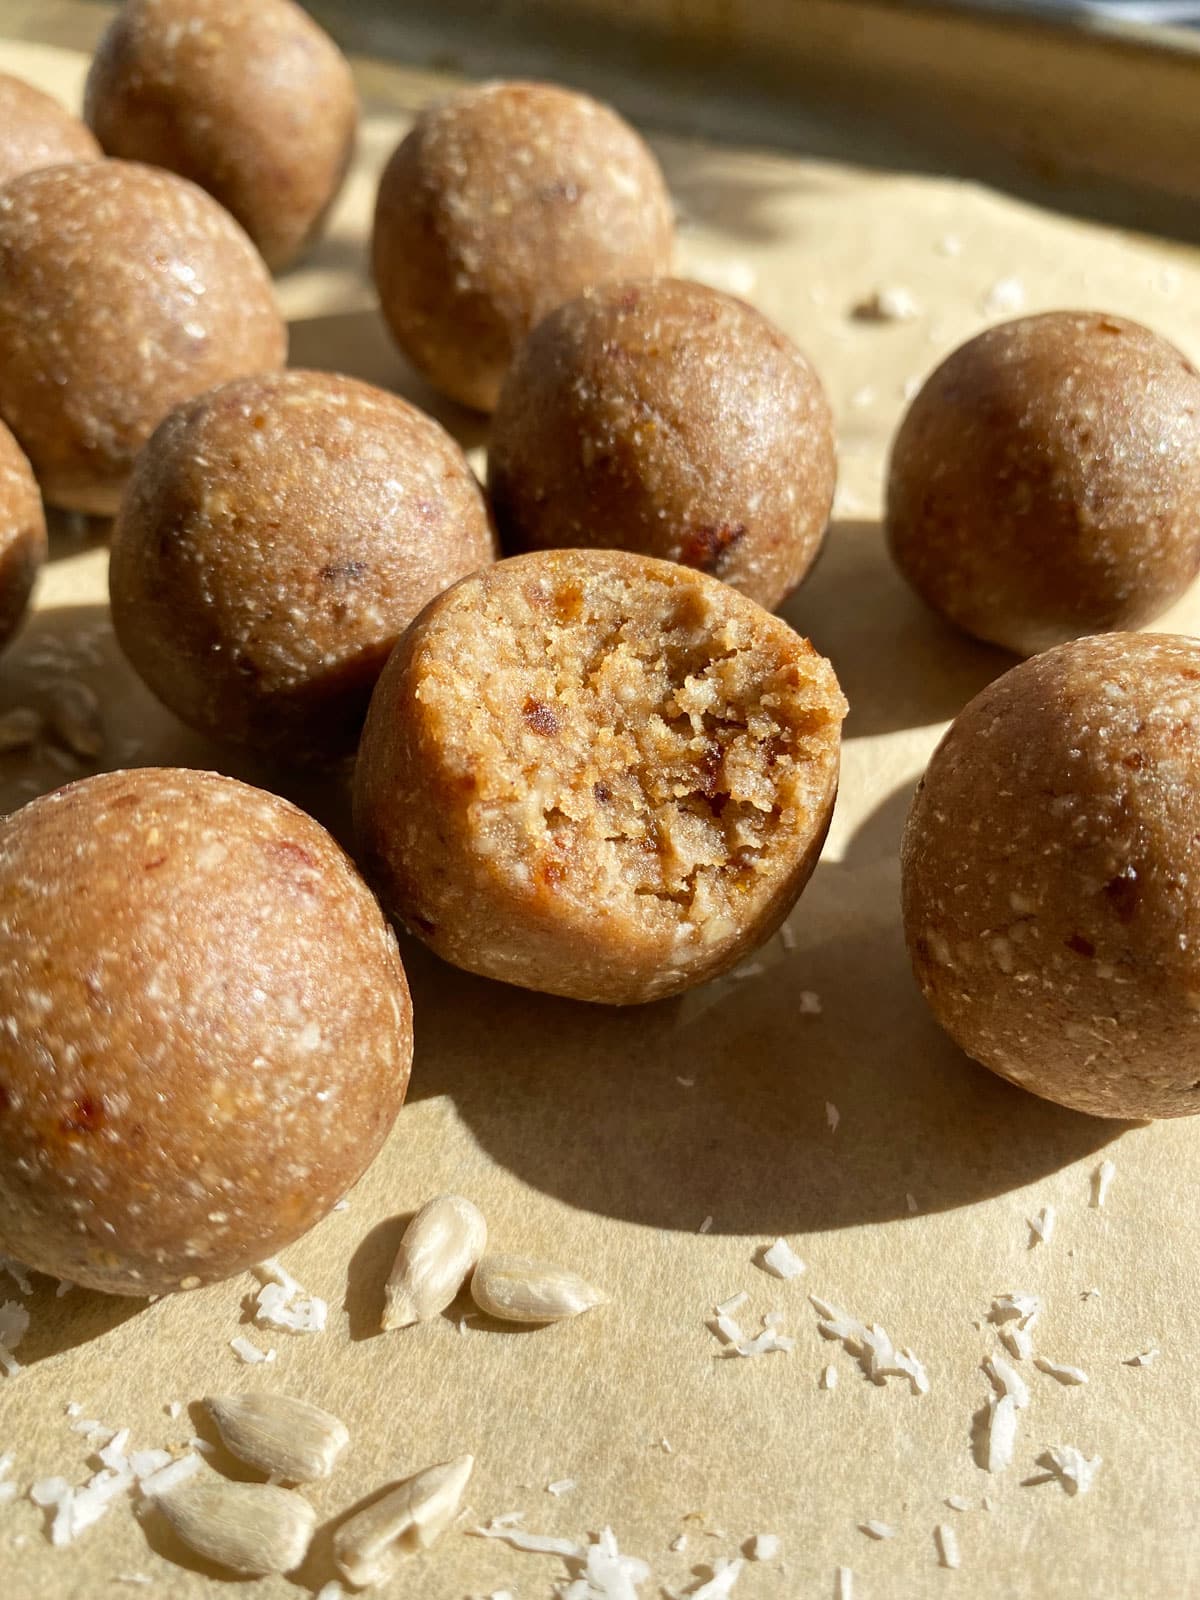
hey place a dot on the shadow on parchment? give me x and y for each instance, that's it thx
(899, 664)
(587, 1103)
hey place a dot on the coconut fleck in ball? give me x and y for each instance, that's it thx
(1045, 482)
(1051, 876)
(277, 537)
(248, 98)
(208, 1030)
(36, 131)
(668, 418)
(597, 774)
(503, 201)
(22, 534)
(124, 291)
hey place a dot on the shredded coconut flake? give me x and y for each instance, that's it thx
(782, 1260)
(735, 1302)
(1145, 1359)
(535, 1544)
(14, 1324)
(871, 1346)
(877, 1530)
(560, 1486)
(957, 1503)
(1059, 1370)
(911, 1201)
(170, 1477)
(762, 1546)
(1070, 1466)
(891, 304)
(829, 1378)
(17, 1273)
(1006, 296)
(334, 1591)
(686, 1083)
(1041, 1227)
(843, 1584)
(705, 1225)
(282, 1303)
(1017, 1307)
(1007, 1380)
(721, 1584)
(1001, 1433)
(947, 1543)
(1101, 1183)
(247, 1352)
(1017, 1341)
(832, 1116)
(787, 936)
(809, 1003)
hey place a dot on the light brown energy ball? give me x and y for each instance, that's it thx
(1051, 876)
(277, 537)
(597, 774)
(208, 1030)
(248, 98)
(668, 418)
(503, 201)
(22, 534)
(1045, 482)
(123, 290)
(36, 131)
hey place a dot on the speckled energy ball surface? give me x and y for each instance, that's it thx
(1051, 876)
(672, 419)
(597, 774)
(37, 131)
(277, 537)
(1045, 482)
(503, 201)
(248, 98)
(22, 534)
(123, 290)
(207, 1030)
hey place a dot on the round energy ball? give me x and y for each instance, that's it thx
(1051, 876)
(671, 419)
(1045, 482)
(597, 774)
(36, 131)
(248, 98)
(22, 534)
(277, 537)
(503, 201)
(208, 1029)
(124, 290)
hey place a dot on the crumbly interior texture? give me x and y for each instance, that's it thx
(503, 201)
(205, 1031)
(1045, 482)
(22, 534)
(38, 131)
(671, 419)
(598, 774)
(277, 537)
(1051, 876)
(126, 291)
(248, 98)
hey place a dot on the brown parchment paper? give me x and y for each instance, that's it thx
(610, 1141)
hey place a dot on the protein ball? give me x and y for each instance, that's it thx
(123, 290)
(597, 774)
(207, 1029)
(22, 534)
(1045, 482)
(277, 537)
(1051, 876)
(668, 418)
(36, 131)
(503, 201)
(248, 98)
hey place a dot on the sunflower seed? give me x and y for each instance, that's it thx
(441, 1245)
(518, 1290)
(284, 1437)
(251, 1528)
(408, 1518)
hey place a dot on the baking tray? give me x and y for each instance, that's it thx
(658, 1149)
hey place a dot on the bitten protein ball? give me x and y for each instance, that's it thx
(22, 534)
(668, 418)
(123, 291)
(1051, 876)
(248, 98)
(277, 537)
(597, 774)
(1045, 482)
(207, 1029)
(36, 131)
(503, 201)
